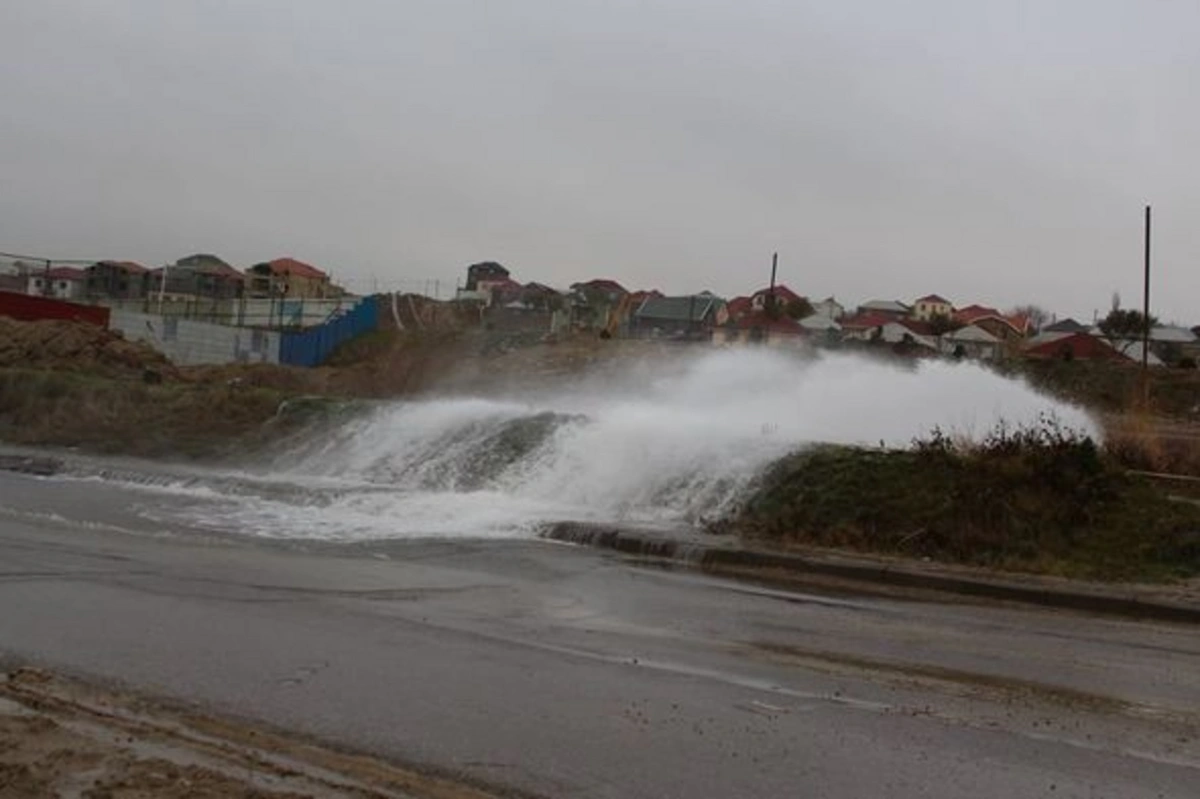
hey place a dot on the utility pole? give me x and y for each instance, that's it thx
(162, 288)
(1146, 318)
(771, 295)
(46, 288)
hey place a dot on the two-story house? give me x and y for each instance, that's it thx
(931, 305)
(290, 278)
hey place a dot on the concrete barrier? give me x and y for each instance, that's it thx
(190, 343)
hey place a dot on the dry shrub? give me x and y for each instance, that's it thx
(1139, 440)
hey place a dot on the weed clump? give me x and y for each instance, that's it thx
(1040, 497)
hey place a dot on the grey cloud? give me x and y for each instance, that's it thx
(999, 155)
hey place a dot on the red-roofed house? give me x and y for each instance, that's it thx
(739, 307)
(501, 292)
(931, 305)
(1003, 327)
(603, 285)
(64, 282)
(761, 327)
(916, 326)
(863, 326)
(290, 278)
(1080, 346)
(784, 297)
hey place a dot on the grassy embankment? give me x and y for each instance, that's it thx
(68, 384)
(1036, 500)
(107, 414)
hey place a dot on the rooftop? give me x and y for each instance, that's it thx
(865, 321)
(63, 273)
(601, 284)
(886, 306)
(781, 292)
(761, 320)
(676, 309)
(128, 266)
(290, 266)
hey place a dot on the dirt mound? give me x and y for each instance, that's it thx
(77, 347)
(288, 379)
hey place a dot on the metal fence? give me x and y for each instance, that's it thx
(313, 346)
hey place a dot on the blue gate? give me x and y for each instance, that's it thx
(311, 347)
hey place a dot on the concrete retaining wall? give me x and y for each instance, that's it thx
(190, 343)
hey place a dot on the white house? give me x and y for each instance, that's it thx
(975, 342)
(897, 332)
(829, 308)
(66, 283)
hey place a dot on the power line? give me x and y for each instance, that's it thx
(43, 259)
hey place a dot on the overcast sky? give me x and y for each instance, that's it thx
(999, 155)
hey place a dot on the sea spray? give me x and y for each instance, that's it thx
(672, 441)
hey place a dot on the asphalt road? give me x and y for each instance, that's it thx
(571, 673)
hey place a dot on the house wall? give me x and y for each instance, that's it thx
(188, 342)
(895, 333)
(264, 284)
(113, 281)
(830, 309)
(976, 350)
(485, 272)
(1081, 346)
(306, 287)
(858, 334)
(925, 311)
(59, 289)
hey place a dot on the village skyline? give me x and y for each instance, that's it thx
(443, 282)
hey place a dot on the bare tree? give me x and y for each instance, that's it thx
(1036, 314)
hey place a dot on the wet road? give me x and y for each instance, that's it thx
(566, 672)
